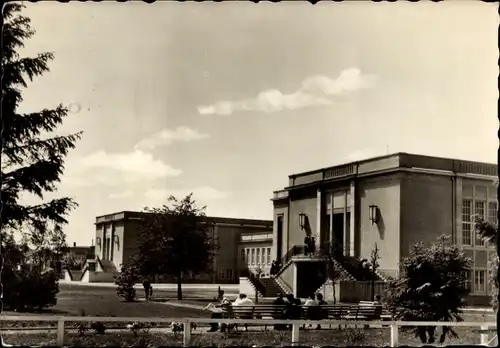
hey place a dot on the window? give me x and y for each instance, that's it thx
(258, 256)
(479, 210)
(229, 273)
(242, 254)
(268, 256)
(468, 280)
(492, 212)
(248, 256)
(263, 260)
(466, 222)
(221, 273)
(253, 256)
(479, 280)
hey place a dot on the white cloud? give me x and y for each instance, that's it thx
(314, 91)
(114, 169)
(168, 136)
(201, 195)
(123, 194)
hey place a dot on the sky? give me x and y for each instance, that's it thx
(226, 100)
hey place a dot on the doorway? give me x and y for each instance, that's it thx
(279, 238)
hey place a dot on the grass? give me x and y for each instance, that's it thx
(335, 337)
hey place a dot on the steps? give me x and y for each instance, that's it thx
(270, 287)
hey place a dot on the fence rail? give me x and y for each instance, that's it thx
(392, 325)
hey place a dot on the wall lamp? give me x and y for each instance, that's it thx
(302, 220)
(373, 214)
(98, 242)
(116, 241)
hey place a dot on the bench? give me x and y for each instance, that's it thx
(366, 310)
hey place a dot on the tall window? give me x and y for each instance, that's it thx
(479, 280)
(253, 256)
(242, 254)
(492, 212)
(466, 222)
(229, 273)
(248, 256)
(258, 256)
(480, 211)
(263, 260)
(268, 256)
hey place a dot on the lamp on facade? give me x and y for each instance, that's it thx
(373, 213)
(98, 242)
(302, 220)
(116, 240)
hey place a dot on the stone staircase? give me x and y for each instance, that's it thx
(270, 287)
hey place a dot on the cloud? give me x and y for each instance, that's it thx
(314, 91)
(168, 136)
(201, 195)
(123, 194)
(114, 169)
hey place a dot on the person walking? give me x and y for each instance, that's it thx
(147, 288)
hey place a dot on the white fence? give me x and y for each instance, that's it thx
(392, 325)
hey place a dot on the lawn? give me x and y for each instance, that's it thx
(335, 337)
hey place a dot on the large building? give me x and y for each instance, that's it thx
(116, 240)
(394, 201)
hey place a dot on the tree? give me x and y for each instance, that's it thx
(125, 282)
(374, 257)
(431, 286)
(32, 161)
(327, 254)
(175, 240)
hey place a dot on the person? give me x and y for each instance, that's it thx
(321, 312)
(307, 244)
(279, 312)
(218, 312)
(312, 245)
(243, 300)
(147, 286)
(293, 308)
(311, 308)
(273, 268)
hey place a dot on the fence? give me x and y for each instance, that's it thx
(392, 325)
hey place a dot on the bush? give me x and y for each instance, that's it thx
(430, 287)
(125, 282)
(29, 290)
(493, 279)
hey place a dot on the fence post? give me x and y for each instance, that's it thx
(394, 335)
(295, 334)
(60, 332)
(484, 335)
(186, 333)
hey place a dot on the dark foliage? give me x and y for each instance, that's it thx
(431, 286)
(125, 283)
(175, 240)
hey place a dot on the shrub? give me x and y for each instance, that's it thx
(29, 290)
(125, 283)
(431, 286)
(493, 279)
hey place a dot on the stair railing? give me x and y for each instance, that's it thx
(294, 251)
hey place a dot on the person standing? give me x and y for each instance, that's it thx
(147, 288)
(307, 243)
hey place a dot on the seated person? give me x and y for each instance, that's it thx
(243, 300)
(311, 308)
(219, 312)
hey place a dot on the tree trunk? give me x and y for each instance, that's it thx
(179, 286)
(333, 292)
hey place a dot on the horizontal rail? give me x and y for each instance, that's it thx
(243, 321)
(296, 324)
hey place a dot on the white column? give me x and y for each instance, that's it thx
(330, 232)
(318, 219)
(352, 232)
(295, 279)
(345, 233)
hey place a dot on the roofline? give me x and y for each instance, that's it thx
(371, 159)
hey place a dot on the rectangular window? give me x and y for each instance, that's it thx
(242, 254)
(492, 212)
(229, 273)
(268, 256)
(479, 280)
(221, 273)
(258, 256)
(248, 256)
(466, 222)
(479, 211)
(253, 256)
(263, 260)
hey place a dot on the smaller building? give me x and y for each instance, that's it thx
(116, 237)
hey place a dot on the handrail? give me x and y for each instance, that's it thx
(293, 251)
(393, 325)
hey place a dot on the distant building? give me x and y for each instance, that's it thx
(394, 201)
(116, 240)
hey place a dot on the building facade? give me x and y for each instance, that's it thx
(394, 201)
(116, 241)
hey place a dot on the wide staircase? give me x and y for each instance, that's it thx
(270, 287)
(348, 267)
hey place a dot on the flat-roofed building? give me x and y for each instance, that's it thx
(394, 201)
